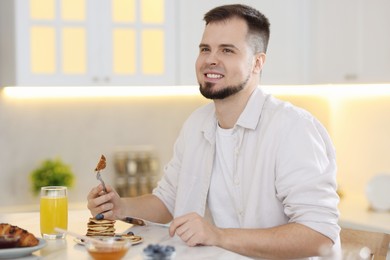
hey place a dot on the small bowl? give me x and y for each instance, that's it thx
(9, 241)
(108, 249)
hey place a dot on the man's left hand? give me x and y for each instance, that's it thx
(195, 230)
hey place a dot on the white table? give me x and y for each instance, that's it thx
(77, 222)
(355, 213)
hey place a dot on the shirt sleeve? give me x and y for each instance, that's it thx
(167, 187)
(306, 177)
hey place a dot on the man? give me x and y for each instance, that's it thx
(250, 173)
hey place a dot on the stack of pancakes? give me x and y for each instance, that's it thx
(102, 227)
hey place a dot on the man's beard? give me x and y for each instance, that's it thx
(207, 90)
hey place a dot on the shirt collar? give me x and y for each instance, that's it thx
(250, 117)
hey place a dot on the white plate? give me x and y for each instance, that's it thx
(378, 192)
(7, 253)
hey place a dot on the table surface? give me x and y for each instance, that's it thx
(356, 213)
(77, 222)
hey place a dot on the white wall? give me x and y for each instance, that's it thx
(79, 131)
(361, 132)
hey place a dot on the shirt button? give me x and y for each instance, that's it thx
(236, 181)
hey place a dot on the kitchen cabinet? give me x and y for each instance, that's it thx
(349, 42)
(87, 42)
(312, 41)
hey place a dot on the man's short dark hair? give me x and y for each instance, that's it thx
(258, 24)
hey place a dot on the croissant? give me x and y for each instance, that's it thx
(26, 238)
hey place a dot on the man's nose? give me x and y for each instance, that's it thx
(212, 59)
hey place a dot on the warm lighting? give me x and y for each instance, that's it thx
(153, 51)
(74, 50)
(124, 51)
(327, 91)
(43, 49)
(113, 91)
(330, 91)
(152, 11)
(123, 11)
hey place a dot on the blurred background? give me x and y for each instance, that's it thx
(82, 78)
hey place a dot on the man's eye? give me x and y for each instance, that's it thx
(227, 50)
(204, 49)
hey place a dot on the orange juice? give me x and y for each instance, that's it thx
(54, 213)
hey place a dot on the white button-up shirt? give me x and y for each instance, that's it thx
(285, 165)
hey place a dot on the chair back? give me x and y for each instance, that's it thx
(358, 244)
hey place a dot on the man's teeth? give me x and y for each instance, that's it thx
(214, 76)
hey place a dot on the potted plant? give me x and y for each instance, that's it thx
(51, 172)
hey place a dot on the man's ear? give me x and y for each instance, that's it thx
(259, 62)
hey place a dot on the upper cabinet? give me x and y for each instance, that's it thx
(89, 42)
(349, 42)
(312, 41)
(155, 42)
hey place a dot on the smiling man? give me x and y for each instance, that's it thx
(250, 173)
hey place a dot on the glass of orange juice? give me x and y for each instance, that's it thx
(53, 211)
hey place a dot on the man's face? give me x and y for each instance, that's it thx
(225, 62)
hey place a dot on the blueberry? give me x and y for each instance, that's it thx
(157, 252)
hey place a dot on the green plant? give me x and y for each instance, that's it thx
(51, 172)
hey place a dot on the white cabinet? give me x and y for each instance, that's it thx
(131, 42)
(88, 42)
(312, 41)
(349, 42)
(374, 41)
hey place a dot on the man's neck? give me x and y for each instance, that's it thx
(228, 110)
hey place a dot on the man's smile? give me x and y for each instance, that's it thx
(213, 76)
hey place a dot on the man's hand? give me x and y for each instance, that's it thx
(286, 241)
(109, 204)
(195, 230)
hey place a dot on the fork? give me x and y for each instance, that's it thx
(99, 177)
(142, 222)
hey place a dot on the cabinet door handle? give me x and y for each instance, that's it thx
(95, 79)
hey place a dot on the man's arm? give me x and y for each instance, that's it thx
(113, 207)
(148, 207)
(286, 241)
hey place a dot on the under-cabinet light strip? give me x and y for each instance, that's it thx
(112, 91)
(331, 91)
